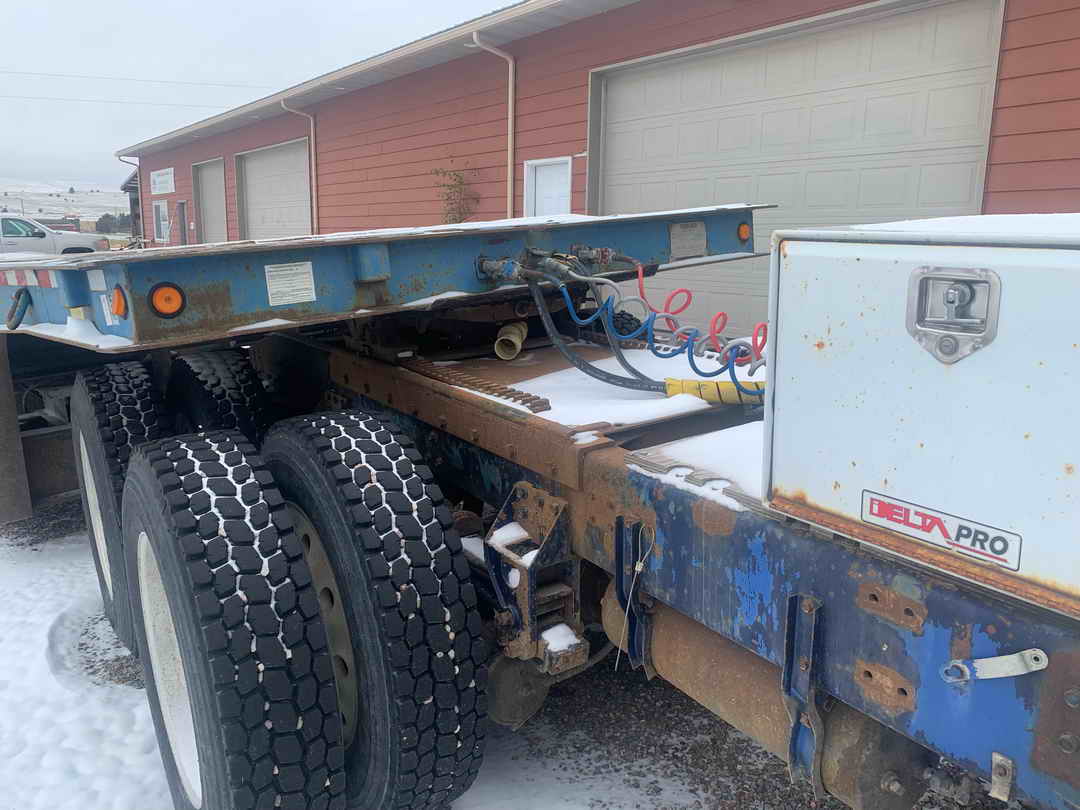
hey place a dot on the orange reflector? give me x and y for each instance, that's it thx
(119, 302)
(743, 231)
(167, 300)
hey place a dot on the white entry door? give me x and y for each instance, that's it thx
(547, 187)
(209, 180)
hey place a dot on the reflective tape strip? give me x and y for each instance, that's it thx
(26, 278)
(10, 279)
(46, 278)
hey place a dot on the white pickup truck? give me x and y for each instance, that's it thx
(20, 234)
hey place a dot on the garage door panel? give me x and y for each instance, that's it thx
(931, 112)
(276, 192)
(899, 48)
(879, 119)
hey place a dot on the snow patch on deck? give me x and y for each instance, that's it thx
(733, 454)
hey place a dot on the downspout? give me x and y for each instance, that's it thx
(314, 165)
(138, 192)
(511, 129)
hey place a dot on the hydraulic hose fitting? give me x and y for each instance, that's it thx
(510, 339)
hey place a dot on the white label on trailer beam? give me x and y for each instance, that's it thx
(965, 536)
(688, 240)
(96, 278)
(292, 283)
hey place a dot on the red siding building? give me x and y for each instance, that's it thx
(838, 111)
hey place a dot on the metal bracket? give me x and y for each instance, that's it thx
(961, 670)
(798, 685)
(1001, 776)
(627, 589)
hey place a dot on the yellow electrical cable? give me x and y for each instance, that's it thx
(721, 392)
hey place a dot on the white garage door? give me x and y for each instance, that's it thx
(873, 120)
(275, 191)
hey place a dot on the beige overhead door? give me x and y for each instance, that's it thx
(275, 191)
(871, 120)
(209, 180)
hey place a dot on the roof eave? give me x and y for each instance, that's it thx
(458, 34)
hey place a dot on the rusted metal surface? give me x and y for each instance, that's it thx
(713, 518)
(892, 606)
(533, 363)
(516, 691)
(991, 577)
(454, 376)
(540, 445)
(736, 685)
(537, 580)
(1057, 733)
(870, 766)
(885, 687)
(744, 690)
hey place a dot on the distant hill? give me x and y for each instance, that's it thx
(51, 198)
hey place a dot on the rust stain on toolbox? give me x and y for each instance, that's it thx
(998, 578)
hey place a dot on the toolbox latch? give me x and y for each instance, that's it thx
(953, 311)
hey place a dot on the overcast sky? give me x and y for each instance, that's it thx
(268, 45)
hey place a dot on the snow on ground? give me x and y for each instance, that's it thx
(69, 739)
(89, 201)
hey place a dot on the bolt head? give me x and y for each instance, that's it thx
(804, 663)
(948, 345)
(890, 783)
(1069, 743)
(1072, 697)
(1002, 771)
(807, 606)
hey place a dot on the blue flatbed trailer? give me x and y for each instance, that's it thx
(832, 654)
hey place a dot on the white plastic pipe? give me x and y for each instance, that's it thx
(511, 127)
(314, 165)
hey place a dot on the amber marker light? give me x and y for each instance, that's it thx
(166, 300)
(743, 231)
(119, 303)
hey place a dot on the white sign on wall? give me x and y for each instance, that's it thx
(161, 181)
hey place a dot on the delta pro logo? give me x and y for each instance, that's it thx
(942, 529)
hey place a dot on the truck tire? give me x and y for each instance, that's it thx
(405, 632)
(114, 409)
(240, 683)
(217, 390)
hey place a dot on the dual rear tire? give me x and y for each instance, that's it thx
(303, 612)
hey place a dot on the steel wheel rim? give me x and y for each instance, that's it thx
(167, 670)
(337, 626)
(97, 523)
